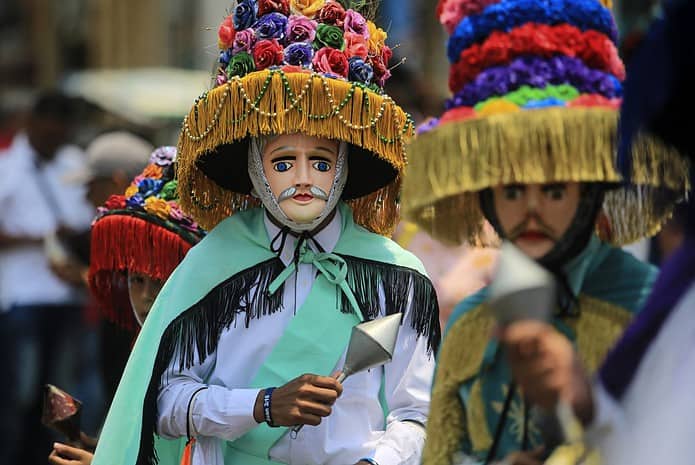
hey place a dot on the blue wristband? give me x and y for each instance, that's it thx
(267, 402)
(369, 460)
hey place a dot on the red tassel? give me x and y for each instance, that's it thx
(187, 457)
(123, 243)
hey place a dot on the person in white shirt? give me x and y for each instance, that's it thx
(245, 338)
(39, 312)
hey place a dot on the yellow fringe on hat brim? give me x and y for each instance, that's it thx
(452, 163)
(260, 104)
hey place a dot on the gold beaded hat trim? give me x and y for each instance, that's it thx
(316, 67)
(213, 144)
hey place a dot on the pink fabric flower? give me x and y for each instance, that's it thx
(244, 41)
(301, 29)
(355, 23)
(453, 11)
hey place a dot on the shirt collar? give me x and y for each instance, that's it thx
(327, 237)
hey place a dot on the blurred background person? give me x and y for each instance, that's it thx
(40, 313)
(639, 408)
(139, 238)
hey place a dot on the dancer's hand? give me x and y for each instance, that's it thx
(63, 454)
(303, 401)
(530, 457)
(546, 367)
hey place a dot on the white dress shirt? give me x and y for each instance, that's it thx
(354, 430)
(654, 423)
(25, 211)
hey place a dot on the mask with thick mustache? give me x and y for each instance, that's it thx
(262, 190)
(520, 229)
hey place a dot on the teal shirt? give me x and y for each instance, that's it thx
(612, 286)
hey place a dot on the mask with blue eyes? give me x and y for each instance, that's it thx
(262, 190)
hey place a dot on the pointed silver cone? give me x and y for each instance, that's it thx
(371, 344)
(521, 288)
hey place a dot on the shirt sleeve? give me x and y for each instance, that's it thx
(216, 411)
(407, 385)
(608, 419)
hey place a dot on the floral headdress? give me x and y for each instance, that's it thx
(143, 231)
(315, 67)
(536, 88)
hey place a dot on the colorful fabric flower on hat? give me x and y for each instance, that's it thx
(267, 34)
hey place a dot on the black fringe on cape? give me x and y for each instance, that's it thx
(194, 334)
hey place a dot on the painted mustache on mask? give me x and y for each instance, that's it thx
(290, 192)
(522, 228)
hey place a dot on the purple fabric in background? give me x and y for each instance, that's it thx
(676, 277)
(536, 72)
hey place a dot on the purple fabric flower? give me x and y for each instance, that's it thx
(360, 71)
(163, 156)
(271, 26)
(244, 41)
(245, 14)
(536, 72)
(137, 202)
(355, 22)
(299, 54)
(427, 126)
(301, 29)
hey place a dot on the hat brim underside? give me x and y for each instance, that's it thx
(537, 146)
(227, 166)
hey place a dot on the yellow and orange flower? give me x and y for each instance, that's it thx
(377, 38)
(158, 207)
(308, 8)
(131, 191)
(152, 171)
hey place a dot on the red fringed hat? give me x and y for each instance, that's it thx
(143, 231)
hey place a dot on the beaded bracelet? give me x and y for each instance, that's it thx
(267, 396)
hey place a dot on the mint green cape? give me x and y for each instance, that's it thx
(201, 298)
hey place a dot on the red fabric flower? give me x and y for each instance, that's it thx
(355, 45)
(267, 53)
(226, 33)
(380, 64)
(595, 100)
(294, 69)
(457, 114)
(593, 48)
(270, 6)
(331, 61)
(332, 13)
(115, 202)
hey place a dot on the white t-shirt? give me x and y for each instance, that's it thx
(27, 211)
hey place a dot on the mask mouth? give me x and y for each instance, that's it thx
(314, 192)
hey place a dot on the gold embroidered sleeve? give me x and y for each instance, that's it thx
(459, 360)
